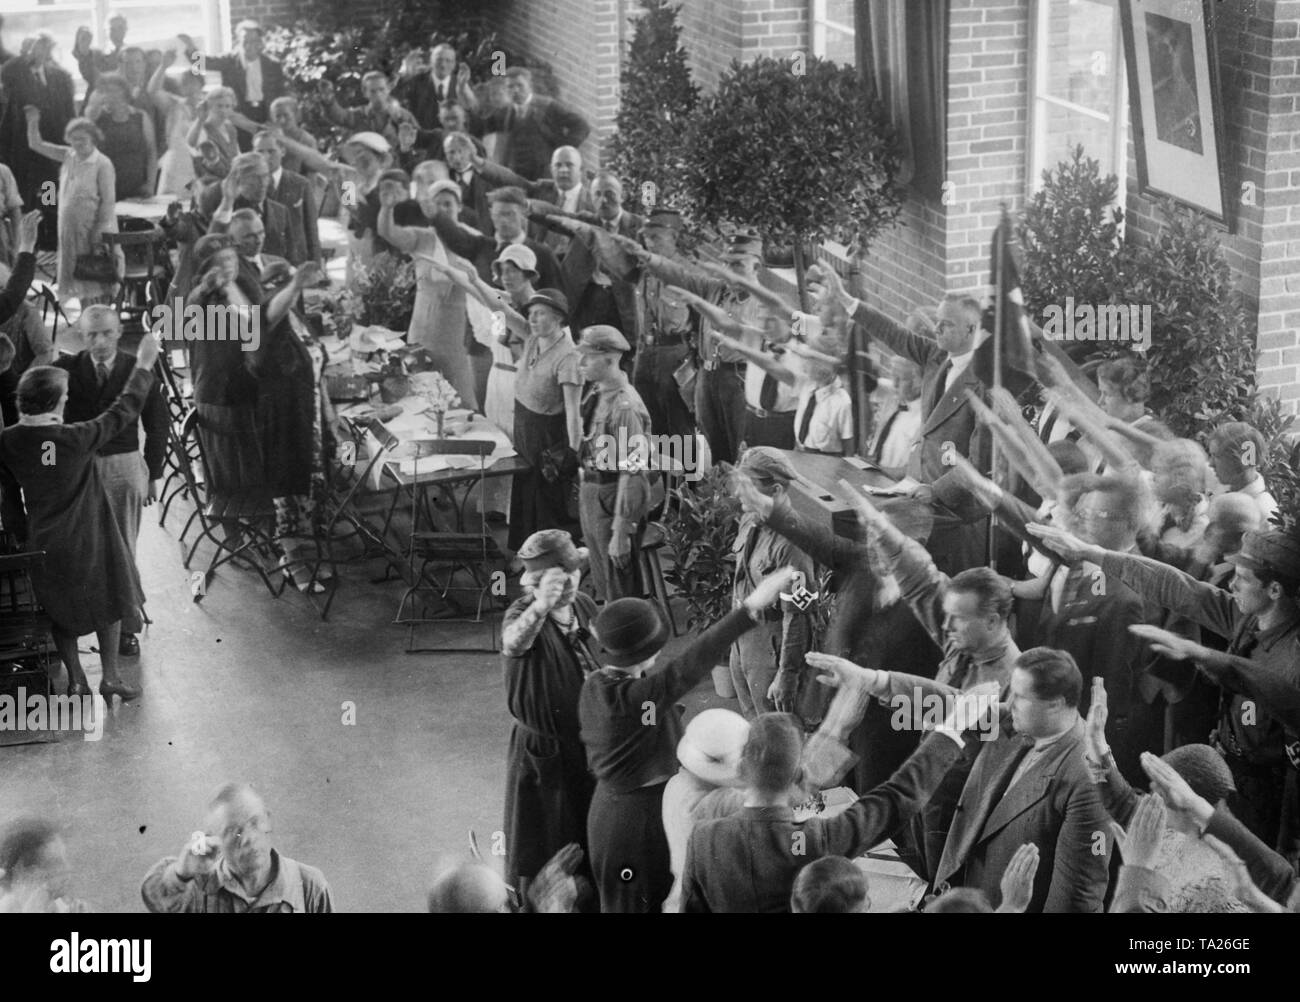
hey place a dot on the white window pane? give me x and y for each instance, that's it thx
(1066, 128)
(1080, 60)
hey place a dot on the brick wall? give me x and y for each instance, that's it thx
(268, 12)
(1258, 47)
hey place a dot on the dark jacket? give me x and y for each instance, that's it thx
(1055, 805)
(295, 194)
(748, 862)
(87, 400)
(482, 251)
(275, 221)
(579, 268)
(531, 138)
(286, 409)
(232, 76)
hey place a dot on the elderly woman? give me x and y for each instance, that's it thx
(546, 653)
(34, 870)
(88, 580)
(548, 418)
(87, 193)
(438, 317)
(129, 139)
(631, 727)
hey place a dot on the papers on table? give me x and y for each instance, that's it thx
(367, 340)
(416, 424)
(903, 488)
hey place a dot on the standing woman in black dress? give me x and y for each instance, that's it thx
(547, 655)
(631, 726)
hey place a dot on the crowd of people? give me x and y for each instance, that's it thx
(1104, 608)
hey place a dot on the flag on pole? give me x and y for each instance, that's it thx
(1006, 357)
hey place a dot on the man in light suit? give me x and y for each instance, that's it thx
(532, 127)
(948, 426)
(293, 191)
(1033, 785)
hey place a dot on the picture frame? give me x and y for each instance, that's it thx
(1176, 103)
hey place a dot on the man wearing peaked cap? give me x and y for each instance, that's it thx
(1258, 732)
(614, 498)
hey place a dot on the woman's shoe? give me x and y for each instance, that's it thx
(110, 689)
(78, 689)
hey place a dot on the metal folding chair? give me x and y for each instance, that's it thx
(437, 558)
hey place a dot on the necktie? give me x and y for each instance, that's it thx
(807, 418)
(101, 373)
(767, 395)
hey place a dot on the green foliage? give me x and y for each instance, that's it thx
(801, 156)
(657, 98)
(1279, 465)
(1202, 343)
(382, 294)
(1069, 236)
(699, 535)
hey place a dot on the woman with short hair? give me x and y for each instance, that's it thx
(87, 196)
(129, 139)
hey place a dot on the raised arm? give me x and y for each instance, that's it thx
(280, 304)
(404, 238)
(877, 326)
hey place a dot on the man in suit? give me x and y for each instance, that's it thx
(959, 539)
(600, 280)
(465, 167)
(508, 213)
(36, 79)
(96, 377)
(293, 191)
(380, 114)
(269, 271)
(1033, 785)
(247, 187)
(255, 79)
(531, 127)
(424, 93)
(564, 189)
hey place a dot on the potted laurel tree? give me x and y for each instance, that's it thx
(699, 535)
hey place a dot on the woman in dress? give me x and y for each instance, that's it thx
(87, 191)
(213, 134)
(548, 393)
(546, 654)
(631, 726)
(179, 112)
(88, 580)
(129, 139)
(438, 317)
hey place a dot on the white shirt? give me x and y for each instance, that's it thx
(904, 433)
(1257, 490)
(275, 178)
(787, 397)
(252, 79)
(569, 199)
(832, 419)
(959, 363)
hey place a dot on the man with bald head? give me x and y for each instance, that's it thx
(230, 867)
(96, 378)
(565, 189)
(469, 888)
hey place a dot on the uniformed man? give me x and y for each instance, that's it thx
(670, 326)
(615, 493)
(720, 388)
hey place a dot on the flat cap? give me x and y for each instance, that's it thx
(767, 463)
(742, 242)
(602, 338)
(1273, 551)
(553, 298)
(550, 548)
(666, 219)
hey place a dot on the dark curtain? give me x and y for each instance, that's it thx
(902, 50)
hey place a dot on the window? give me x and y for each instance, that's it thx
(151, 24)
(832, 31)
(1079, 87)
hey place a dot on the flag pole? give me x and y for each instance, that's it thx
(1000, 277)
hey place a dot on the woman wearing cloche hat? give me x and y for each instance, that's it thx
(631, 727)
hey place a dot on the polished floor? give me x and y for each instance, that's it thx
(246, 686)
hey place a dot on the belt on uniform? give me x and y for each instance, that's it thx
(712, 364)
(504, 367)
(759, 412)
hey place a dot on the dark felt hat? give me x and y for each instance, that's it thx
(630, 631)
(553, 298)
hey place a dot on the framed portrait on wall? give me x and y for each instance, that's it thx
(1175, 99)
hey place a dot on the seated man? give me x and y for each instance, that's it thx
(231, 867)
(1033, 785)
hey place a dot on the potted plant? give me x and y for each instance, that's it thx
(699, 535)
